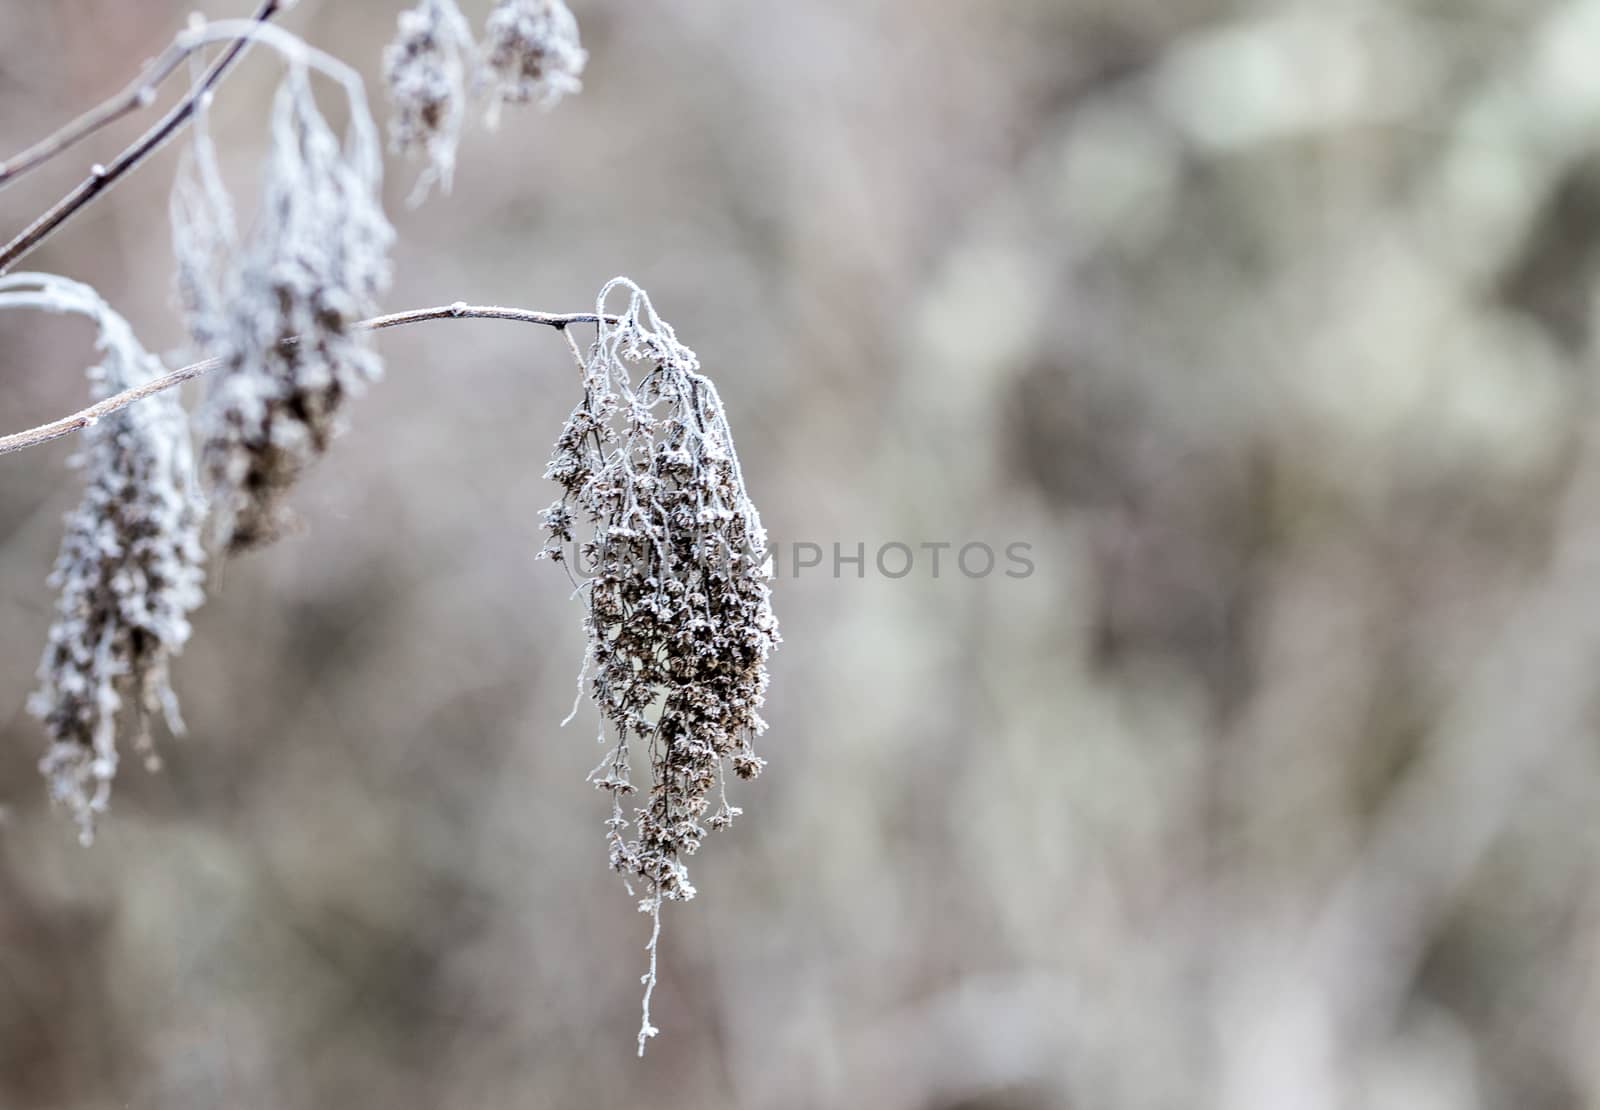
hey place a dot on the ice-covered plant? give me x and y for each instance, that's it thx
(666, 540)
(425, 70)
(280, 309)
(129, 572)
(679, 618)
(532, 53)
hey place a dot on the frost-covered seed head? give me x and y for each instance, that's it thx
(531, 52)
(280, 309)
(129, 572)
(425, 71)
(679, 620)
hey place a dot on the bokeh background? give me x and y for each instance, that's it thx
(1269, 326)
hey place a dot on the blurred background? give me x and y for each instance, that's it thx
(1269, 327)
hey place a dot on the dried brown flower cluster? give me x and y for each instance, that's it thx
(129, 572)
(531, 52)
(280, 310)
(679, 617)
(425, 70)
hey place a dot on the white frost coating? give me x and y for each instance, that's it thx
(679, 619)
(652, 906)
(425, 70)
(279, 307)
(364, 151)
(129, 570)
(531, 53)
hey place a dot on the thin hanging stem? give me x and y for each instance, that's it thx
(67, 425)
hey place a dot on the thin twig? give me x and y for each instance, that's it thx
(102, 178)
(67, 425)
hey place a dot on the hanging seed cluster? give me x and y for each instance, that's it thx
(679, 623)
(129, 572)
(425, 72)
(280, 310)
(532, 53)
(679, 618)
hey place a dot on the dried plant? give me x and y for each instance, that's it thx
(425, 71)
(279, 310)
(679, 618)
(129, 572)
(532, 53)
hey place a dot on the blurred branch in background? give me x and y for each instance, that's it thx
(104, 177)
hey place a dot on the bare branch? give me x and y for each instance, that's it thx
(137, 95)
(102, 178)
(67, 425)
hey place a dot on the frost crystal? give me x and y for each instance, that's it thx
(425, 71)
(531, 51)
(679, 618)
(280, 309)
(129, 569)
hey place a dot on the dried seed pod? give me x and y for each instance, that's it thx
(425, 71)
(280, 309)
(129, 572)
(531, 52)
(679, 620)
